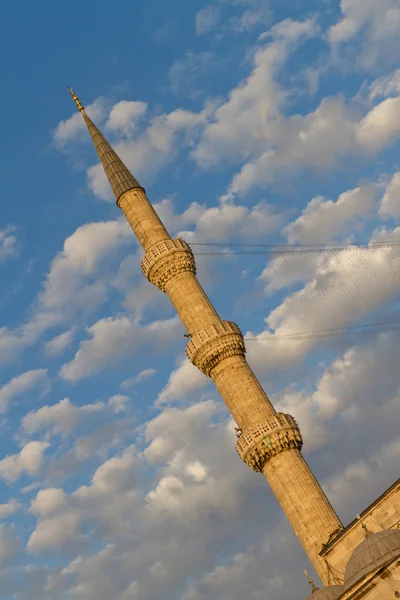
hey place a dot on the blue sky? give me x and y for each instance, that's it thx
(248, 122)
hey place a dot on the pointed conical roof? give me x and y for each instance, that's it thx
(120, 178)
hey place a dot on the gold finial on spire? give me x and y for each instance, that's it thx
(75, 99)
(310, 581)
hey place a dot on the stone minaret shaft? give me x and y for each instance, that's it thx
(269, 442)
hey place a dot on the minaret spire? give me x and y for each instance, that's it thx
(268, 442)
(314, 588)
(119, 176)
(76, 99)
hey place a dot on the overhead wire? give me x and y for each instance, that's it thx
(365, 329)
(386, 326)
(275, 249)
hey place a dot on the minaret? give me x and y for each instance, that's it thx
(269, 442)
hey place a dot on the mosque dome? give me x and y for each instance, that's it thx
(373, 552)
(332, 592)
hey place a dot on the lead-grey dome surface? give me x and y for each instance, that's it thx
(373, 552)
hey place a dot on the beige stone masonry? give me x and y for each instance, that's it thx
(165, 260)
(384, 511)
(239, 387)
(259, 443)
(213, 344)
(304, 503)
(268, 442)
(142, 217)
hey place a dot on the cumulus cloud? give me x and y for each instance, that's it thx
(28, 461)
(301, 141)
(84, 252)
(206, 19)
(184, 380)
(8, 243)
(379, 25)
(322, 219)
(125, 116)
(60, 343)
(142, 376)
(339, 287)
(113, 339)
(118, 402)
(74, 127)
(59, 419)
(149, 152)
(385, 86)
(229, 220)
(251, 115)
(390, 203)
(9, 544)
(9, 508)
(21, 384)
(76, 284)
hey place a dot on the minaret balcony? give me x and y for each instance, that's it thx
(166, 259)
(259, 443)
(209, 346)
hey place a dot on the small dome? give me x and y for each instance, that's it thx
(332, 592)
(376, 550)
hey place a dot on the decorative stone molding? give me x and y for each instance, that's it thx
(215, 343)
(166, 259)
(262, 441)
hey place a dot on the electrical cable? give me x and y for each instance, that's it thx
(334, 332)
(292, 249)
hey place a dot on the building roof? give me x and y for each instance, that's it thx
(373, 552)
(332, 592)
(354, 522)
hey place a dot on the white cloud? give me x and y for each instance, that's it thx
(390, 203)
(59, 419)
(75, 127)
(363, 479)
(378, 24)
(77, 283)
(206, 19)
(28, 461)
(48, 501)
(386, 85)
(142, 376)
(184, 72)
(8, 243)
(319, 140)
(113, 339)
(125, 116)
(84, 252)
(341, 287)
(21, 384)
(231, 220)
(322, 219)
(380, 126)
(119, 402)
(59, 344)
(9, 544)
(149, 152)
(182, 382)
(250, 118)
(10, 508)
